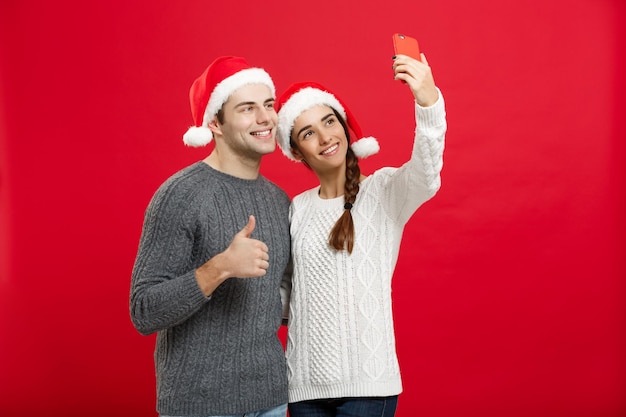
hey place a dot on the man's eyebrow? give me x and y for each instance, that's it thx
(245, 103)
(309, 126)
(252, 103)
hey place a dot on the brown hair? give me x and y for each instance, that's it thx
(342, 234)
(220, 115)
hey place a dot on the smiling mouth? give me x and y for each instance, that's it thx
(330, 150)
(262, 133)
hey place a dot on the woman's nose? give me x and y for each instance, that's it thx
(324, 137)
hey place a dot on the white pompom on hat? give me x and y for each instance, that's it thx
(213, 88)
(303, 96)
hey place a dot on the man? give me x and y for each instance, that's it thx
(214, 247)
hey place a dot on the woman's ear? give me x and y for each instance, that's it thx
(297, 155)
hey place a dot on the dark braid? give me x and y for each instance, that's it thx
(342, 234)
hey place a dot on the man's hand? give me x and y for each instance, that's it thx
(246, 257)
(243, 258)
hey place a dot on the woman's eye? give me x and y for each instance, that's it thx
(330, 122)
(307, 135)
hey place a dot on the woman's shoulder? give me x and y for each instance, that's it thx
(306, 195)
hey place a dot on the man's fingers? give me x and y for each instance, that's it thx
(249, 228)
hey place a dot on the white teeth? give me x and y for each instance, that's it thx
(329, 150)
(263, 133)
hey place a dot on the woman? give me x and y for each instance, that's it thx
(346, 236)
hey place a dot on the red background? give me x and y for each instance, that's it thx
(509, 293)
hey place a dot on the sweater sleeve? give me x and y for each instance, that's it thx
(418, 180)
(164, 290)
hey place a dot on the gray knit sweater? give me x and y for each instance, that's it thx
(216, 355)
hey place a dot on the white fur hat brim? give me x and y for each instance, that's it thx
(226, 87)
(298, 103)
(197, 136)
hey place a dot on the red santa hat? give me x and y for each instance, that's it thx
(213, 88)
(302, 96)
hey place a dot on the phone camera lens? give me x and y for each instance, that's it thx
(401, 36)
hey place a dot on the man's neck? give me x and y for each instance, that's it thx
(235, 165)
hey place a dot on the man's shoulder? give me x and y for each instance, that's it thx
(274, 189)
(182, 185)
(188, 177)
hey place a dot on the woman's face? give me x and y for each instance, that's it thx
(320, 139)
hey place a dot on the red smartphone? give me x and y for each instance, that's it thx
(406, 45)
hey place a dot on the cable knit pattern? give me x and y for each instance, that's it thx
(217, 355)
(341, 340)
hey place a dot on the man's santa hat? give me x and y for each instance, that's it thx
(213, 88)
(303, 96)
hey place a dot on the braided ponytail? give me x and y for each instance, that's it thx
(342, 234)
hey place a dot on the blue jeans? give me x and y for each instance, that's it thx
(346, 407)
(280, 411)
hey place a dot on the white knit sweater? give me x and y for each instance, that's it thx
(341, 340)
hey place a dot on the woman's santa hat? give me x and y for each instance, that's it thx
(213, 88)
(303, 96)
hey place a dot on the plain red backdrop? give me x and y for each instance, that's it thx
(509, 294)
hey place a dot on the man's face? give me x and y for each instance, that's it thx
(249, 127)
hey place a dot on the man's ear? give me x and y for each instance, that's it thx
(215, 127)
